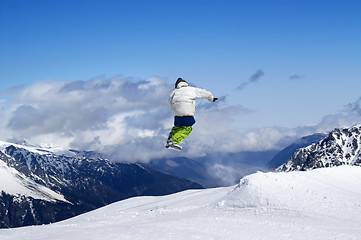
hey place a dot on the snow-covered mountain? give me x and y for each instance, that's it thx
(321, 204)
(16, 183)
(340, 147)
(69, 185)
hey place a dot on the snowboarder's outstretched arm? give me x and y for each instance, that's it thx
(202, 93)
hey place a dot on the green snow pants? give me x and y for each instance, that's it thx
(179, 133)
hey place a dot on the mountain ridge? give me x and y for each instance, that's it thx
(342, 146)
(284, 155)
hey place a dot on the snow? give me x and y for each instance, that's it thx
(15, 183)
(319, 204)
(42, 150)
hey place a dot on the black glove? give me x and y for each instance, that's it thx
(215, 99)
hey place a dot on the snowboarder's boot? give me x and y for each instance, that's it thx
(173, 145)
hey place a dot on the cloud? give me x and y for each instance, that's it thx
(12, 90)
(354, 108)
(296, 77)
(81, 105)
(226, 174)
(217, 132)
(129, 120)
(254, 78)
(348, 116)
(97, 114)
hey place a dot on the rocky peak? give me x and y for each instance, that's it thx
(341, 147)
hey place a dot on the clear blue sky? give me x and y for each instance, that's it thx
(309, 51)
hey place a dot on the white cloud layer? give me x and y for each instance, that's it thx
(129, 120)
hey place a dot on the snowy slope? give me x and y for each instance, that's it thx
(319, 204)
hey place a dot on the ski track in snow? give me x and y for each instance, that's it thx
(320, 204)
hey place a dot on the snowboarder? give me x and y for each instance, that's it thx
(182, 101)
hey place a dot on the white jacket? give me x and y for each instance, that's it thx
(182, 99)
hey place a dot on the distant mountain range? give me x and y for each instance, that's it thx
(38, 186)
(340, 147)
(215, 170)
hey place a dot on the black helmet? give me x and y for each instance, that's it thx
(179, 80)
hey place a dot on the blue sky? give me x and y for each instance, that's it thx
(309, 52)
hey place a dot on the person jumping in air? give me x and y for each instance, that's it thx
(182, 101)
